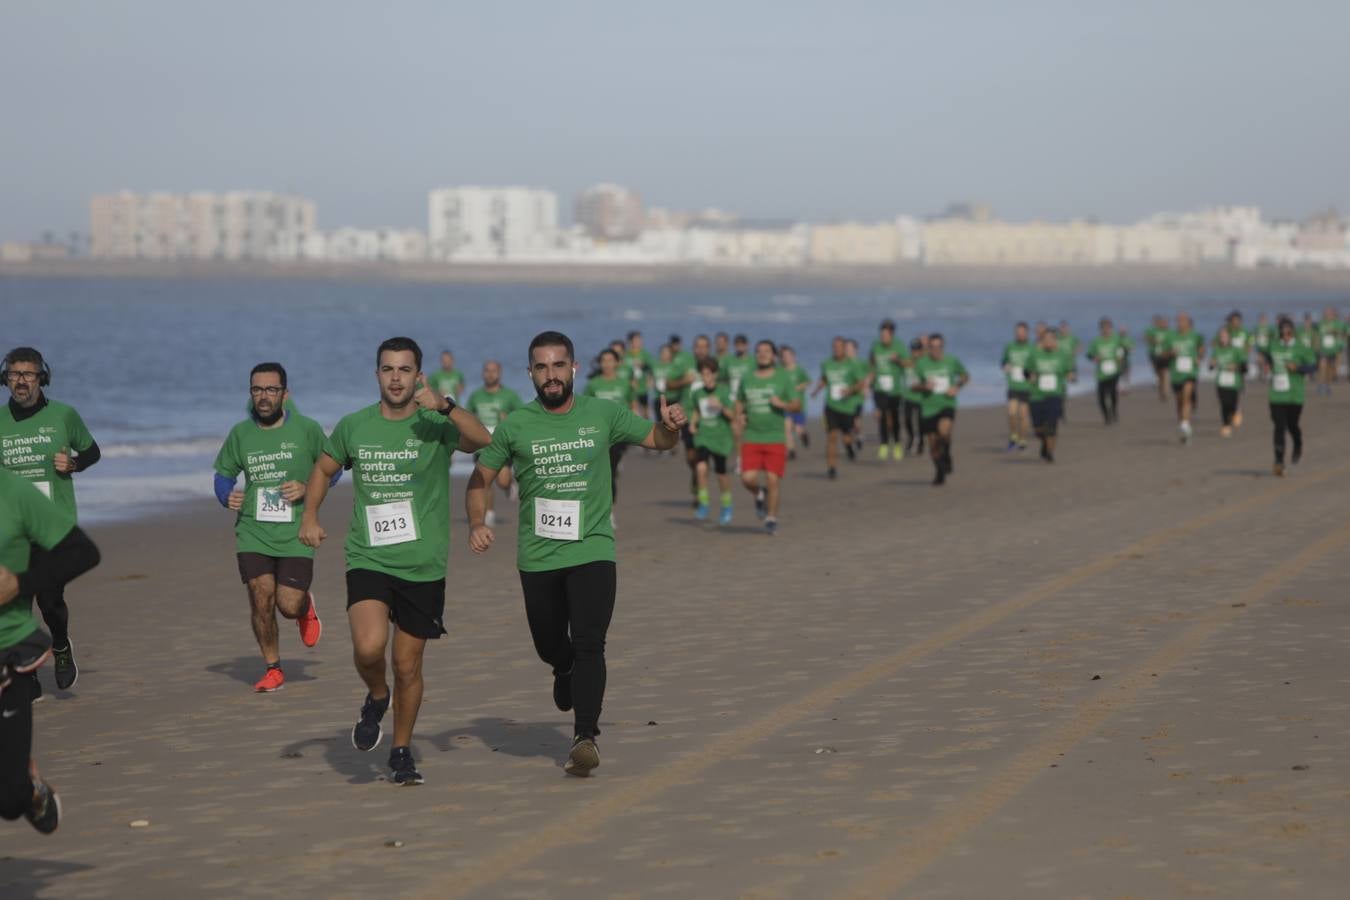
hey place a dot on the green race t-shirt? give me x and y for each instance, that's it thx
(940, 375)
(490, 407)
(764, 421)
(1048, 373)
(401, 479)
(665, 374)
(641, 364)
(1108, 353)
(1015, 356)
(1286, 386)
(561, 461)
(841, 375)
(1185, 350)
(26, 518)
(1264, 336)
(887, 362)
(732, 369)
(28, 448)
(1330, 338)
(447, 384)
(267, 523)
(1241, 338)
(1156, 339)
(616, 390)
(1229, 363)
(711, 409)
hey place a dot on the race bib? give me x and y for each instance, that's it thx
(735, 386)
(1280, 382)
(838, 392)
(390, 523)
(1048, 382)
(1240, 341)
(1227, 379)
(886, 383)
(660, 384)
(1328, 341)
(45, 487)
(1017, 374)
(557, 520)
(272, 507)
(1185, 365)
(1108, 367)
(941, 383)
(708, 408)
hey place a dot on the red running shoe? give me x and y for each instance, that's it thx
(310, 626)
(274, 680)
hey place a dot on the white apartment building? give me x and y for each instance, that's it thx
(610, 212)
(239, 225)
(374, 245)
(491, 223)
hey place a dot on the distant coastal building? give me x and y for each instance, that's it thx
(473, 223)
(368, 245)
(609, 212)
(238, 225)
(855, 244)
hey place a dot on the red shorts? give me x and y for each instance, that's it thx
(764, 458)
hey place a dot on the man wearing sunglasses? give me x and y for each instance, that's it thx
(45, 442)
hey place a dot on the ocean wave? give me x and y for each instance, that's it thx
(203, 446)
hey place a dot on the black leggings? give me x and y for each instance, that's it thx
(569, 612)
(16, 746)
(888, 417)
(52, 602)
(1285, 416)
(1108, 398)
(1228, 404)
(616, 452)
(913, 417)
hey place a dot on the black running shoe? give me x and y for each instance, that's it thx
(584, 757)
(1297, 454)
(66, 671)
(806, 439)
(45, 809)
(832, 473)
(941, 476)
(761, 503)
(366, 733)
(562, 690)
(947, 462)
(35, 688)
(404, 768)
(848, 448)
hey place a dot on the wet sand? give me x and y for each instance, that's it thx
(1119, 676)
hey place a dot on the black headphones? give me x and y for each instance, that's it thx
(44, 370)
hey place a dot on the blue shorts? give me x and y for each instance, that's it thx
(797, 418)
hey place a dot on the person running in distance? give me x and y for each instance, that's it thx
(397, 546)
(794, 423)
(1289, 362)
(766, 398)
(559, 445)
(490, 405)
(710, 413)
(1014, 362)
(449, 381)
(942, 377)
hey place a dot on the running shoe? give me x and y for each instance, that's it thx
(770, 526)
(1225, 431)
(67, 673)
(1021, 445)
(897, 453)
(701, 512)
(366, 733)
(1279, 470)
(848, 448)
(1296, 455)
(35, 687)
(404, 767)
(832, 473)
(761, 503)
(1012, 445)
(562, 690)
(947, 461)
(1237, 419)
(44, 811)
(274, 680)
(309, 624)
(806, 440)
(724, 517)
(883, 451)
(584, 757)
(940, 477)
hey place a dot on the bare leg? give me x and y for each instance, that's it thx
(369, 620)
(408, 652)
(262, 599)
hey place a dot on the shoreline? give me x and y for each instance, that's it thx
(900, 277)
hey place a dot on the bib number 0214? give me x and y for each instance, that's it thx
(558, 520)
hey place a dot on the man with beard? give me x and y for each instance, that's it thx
(276, 450)
(559, 446)
(45, 442)
(492, 403)
(399, 452)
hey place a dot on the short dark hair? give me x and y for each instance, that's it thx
(701, 337)
(28, 355)
(1022, 325)
(740, 339)
(398, 345)
(608, 351)
(274, 367)
(936, 336)
(708, 364)
(551, 339)
(771, 345)
(633, 334)
(887, 325)
(787, 348)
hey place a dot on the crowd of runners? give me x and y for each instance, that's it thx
(735, 411)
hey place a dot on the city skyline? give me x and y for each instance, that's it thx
(809, 112)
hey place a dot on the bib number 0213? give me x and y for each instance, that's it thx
(390, 523)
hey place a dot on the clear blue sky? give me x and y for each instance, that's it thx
(772, 109)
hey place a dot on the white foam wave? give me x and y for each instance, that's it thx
(185, 447)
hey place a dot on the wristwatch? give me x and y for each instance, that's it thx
(449, 405)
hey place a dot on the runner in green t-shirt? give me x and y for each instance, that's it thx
(1014, 363)
(1107, 353)
(1155, 338)
(640, 361)
(45, 442)
(1050, 368)
(794, 423)
(276, 451)
(1264, 334)
(1184, 349)
(734, 366)
(608, 385)
(886, 373)
(490, 404)
(911, 398)
(941, 378)
(449, 381)
(559, 445)
(1288, 362)
(41, 549)
(711, 410)
(846, 380)
(767, 397)
(397, 544)
(1330, 343)
(1229, 363)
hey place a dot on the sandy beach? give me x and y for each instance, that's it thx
(1119, 676)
